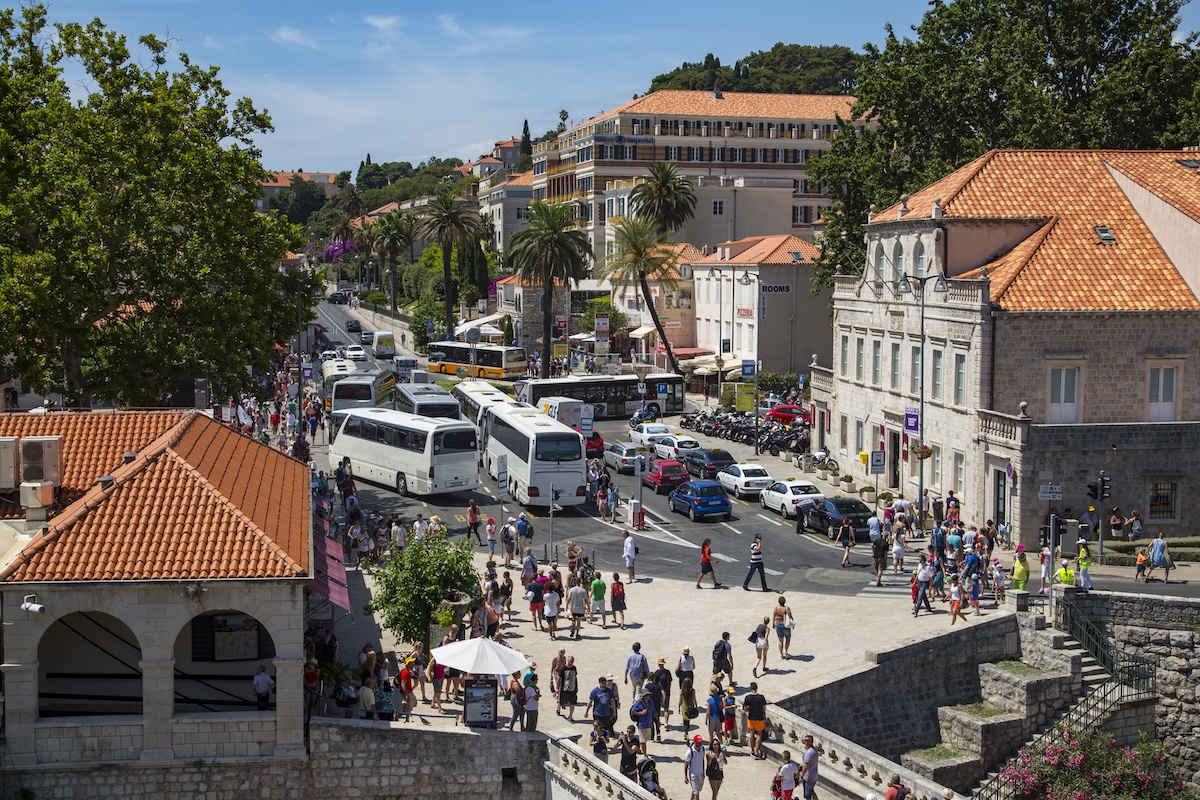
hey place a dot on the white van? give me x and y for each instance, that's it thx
(384, 344)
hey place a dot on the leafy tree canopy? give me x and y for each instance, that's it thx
(984, 74)
(784, 69)
(158, 268)
(603, 305)
(299, 201)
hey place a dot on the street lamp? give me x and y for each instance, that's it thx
(746, 280)
(903, 287)
(714, 275)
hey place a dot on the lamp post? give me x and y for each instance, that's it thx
(903, 287)
(714, 275)
(746, 280)
(642, 370)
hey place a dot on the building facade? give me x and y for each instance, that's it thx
(506, 204)
(1059, 348)
(283, 180)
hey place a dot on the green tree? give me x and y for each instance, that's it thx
(526, 142)
(448, 222)
(551, 250)
(342, 231)
(602, 305)
(370, 176)
(411, 584)
(562, 120)
(391, 238)
(427, 310)
(159, 267)
(644, 253)
(665, 197)
(510, 335)
(342, 178)
(349, 201)
(301, 200)
(784, 69)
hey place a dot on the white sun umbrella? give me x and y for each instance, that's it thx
(480, 656)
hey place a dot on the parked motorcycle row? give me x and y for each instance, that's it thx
(773, 437)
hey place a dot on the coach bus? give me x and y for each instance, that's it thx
(492, 361)
(611, 396)
(363, 390)
(427, 400)
(476, 396)
(412, 454)
(545, 458)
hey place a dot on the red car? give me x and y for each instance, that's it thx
(664, 475)
(786, 414)
(594, 447)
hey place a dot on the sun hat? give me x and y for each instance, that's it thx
(687, 651)
(662, 661)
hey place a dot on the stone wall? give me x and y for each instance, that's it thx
(67, 739)
(1167, 633)
(240, 734)
(890, 707)
(350, 758)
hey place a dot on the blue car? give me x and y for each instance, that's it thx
(701, 499)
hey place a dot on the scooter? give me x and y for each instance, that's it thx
(644, 414)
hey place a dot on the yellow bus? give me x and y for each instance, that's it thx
(492, 361)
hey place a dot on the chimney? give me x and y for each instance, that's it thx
(936, 213)
(106, 482)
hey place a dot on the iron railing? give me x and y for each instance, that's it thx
(1131, 678)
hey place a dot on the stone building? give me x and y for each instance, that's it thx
(1059, 347)
(176, 564)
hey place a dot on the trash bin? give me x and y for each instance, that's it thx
(637, 515)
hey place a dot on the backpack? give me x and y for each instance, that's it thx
(901, 791)
(619, 591)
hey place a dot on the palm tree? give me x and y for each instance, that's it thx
(364, 243)
(644, 253)
(350, 200)
(665, 197)
(342, 231)
(391, 238)
(449, 222)
(551, 249)
(412, 226)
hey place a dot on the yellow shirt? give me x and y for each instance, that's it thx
(1020, 570)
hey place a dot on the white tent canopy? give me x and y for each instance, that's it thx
(462, 327)
(480, 656)
(642, 332)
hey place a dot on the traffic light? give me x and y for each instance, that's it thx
(1094, 491)
(1105, 483)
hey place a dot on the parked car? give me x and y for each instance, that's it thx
(674, 446)
(786, 414)
(622, 456)
(648, 434)
(744, 479)
(353, 326)
(355, 352)
(594, 446)
(366, 337)
(337, 298)
(705, 463)
(329, 355)
(784, 496)
(700, 499)
(828, 514)
(664, 475)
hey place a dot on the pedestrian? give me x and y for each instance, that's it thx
(599, 705)
(532, 697)
(263, 685)
(714, 767)
(529, 567)
(613, 502)
(706, 564)
(550, 608)
(895, 789)
(688, 708)
(729, 715)
(1139, 572)
(437, 676)
(601, 495)
(1133, 526)
(845, 538)
(809, 766)
(630, 747)
(507, 587)
(1065, 576)
(756, 564)
(618, 599)
(722, 657)
(898, 545)
(1045, 560)
(509, 540)
(661, 677)
(535, 592)
(783, 620)
(524, 532)
(1160, 556)
(762, 645)
(956, 597)
(1083, 559)
(577, 598)
(693, 767)
(643, 713)
(598, 591)
(924, 577)
(789, 776)
(473, 520)
(879, 553)
(599, 738)
(629, 551)
(976, 593)
(714, 713)
(1116, 524)
(754, 706)
(1020, 569)
(686, 666)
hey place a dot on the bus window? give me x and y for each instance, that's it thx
(551, 447)
(455, 442)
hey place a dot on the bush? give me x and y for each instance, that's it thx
(375, 298)
(1093, 767)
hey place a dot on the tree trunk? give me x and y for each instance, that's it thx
(547, 324)
(662, 336)
(75, 393)
(448, 286)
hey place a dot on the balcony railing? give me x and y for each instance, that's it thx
(822, 379)
(1003, 428)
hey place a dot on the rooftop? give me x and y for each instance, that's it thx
(775, 249)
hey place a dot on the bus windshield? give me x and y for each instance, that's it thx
(455, 442)
(558, 447)
(353, 391)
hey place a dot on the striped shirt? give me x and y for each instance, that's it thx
(755, 553)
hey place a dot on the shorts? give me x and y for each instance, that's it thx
(629, 562)
(696, 782)
(536, 608)
(730, 724)
(598, 605)
(881, 563)
(715, 725)
(783, 631)
(705, 567)
(577, 617)
(550, 617)
(787, 793)
(756, 724)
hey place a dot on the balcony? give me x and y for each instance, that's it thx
(568, 166)
(1003, 429)
(822, 379)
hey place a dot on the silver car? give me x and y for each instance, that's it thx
(622, 456)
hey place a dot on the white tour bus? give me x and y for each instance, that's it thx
(363, 390)
(333, 371)
(427, 400)
(415, 455)
(545, 457)
(475, 396)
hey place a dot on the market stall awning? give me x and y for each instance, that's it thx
(642, 332)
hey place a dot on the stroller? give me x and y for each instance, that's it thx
(777, 787)
(648, 778)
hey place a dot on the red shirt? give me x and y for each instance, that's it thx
(406, 680)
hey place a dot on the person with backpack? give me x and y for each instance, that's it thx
(643, 712)
(896, 790)
(722, 657)
(524, 531)
(618, 600)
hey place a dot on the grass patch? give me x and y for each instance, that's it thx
(939, 752)
(981, 710)
(1020, 668)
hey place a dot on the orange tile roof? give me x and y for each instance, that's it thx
(92, 444)
(1064, 266)
(201, 502)
(509, 142)
(776, 249)
(489, 160)
(282, 179)
(521, 179)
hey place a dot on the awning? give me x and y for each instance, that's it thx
(682, 353)
(462, 327)
(703, 362)
(640, 333)
(329, 577)
(333, 592)
(582, 337)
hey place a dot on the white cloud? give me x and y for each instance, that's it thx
(380, 23)
(286, 34)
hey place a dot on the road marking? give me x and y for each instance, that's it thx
(740, 500)
(723, 557)
(771, 571)
(735, 530)
(671, 560)
(772, 521)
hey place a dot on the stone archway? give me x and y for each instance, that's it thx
(215, 657)
(89, 663)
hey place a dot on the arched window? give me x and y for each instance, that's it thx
(919, 260)
(880, 264)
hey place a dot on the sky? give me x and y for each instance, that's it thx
(405, 80)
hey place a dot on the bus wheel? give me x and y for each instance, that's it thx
(401, 485)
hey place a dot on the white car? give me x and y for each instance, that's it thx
(648, 434)
(674, 446)
(744, 479)
(355, 352)
(786, 495)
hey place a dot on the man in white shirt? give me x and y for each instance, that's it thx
(629, 551)
(420, 527)
(693, 766)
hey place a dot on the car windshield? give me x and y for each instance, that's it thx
(656, 429)
(851, 506)
(754, 472)
(671, 469)
(709, 491)
(805, 489)
(721, 457)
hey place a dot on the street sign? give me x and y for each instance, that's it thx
(501, 475)
(600, 325)
(878, 462)
(428, 326)
(1050, 491)
(726, 345)
(912, 420)
(641, 388)
(747, 368)
(587, 420)
(1008, 470)
(662, 388)
(561, 323)
(472, 335)
(800, 380)
(643, 465)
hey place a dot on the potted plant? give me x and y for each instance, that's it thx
(886, 498)
(868, 493)
(847, 481)
(921, 451)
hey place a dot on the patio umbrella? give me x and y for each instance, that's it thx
(704, 371)
(734, 374)
(480, 656)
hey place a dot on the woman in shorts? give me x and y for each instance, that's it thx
(762, 645)
(618, 599)
(783, 620)
(706, 564)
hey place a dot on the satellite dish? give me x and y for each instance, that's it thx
(461, 372)
(473, 335)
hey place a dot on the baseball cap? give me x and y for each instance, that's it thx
(1082, 541)
(512, 519)
(646, 694)
(1065, 563)
(698, 739)
(522, 515)
(731, 690)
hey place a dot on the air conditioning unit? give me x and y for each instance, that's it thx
(37, 494)
(10, 463)
(41, 459)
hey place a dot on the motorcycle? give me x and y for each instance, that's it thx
(644, 414)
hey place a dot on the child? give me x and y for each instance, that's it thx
(1142, 558)
(997, 582)
(956, 600)
(729, 715)
(976, 591)
(916, 591)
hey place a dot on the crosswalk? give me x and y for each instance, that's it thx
(893, 586)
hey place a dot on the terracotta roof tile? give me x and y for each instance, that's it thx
(521, 179)
(776, 249)
(736, 105)
(200, 502)
(1064, 266)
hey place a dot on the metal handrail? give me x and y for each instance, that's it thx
(1070, 618)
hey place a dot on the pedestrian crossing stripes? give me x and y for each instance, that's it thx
(893, 586)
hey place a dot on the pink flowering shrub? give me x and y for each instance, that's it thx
(1093, 767)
